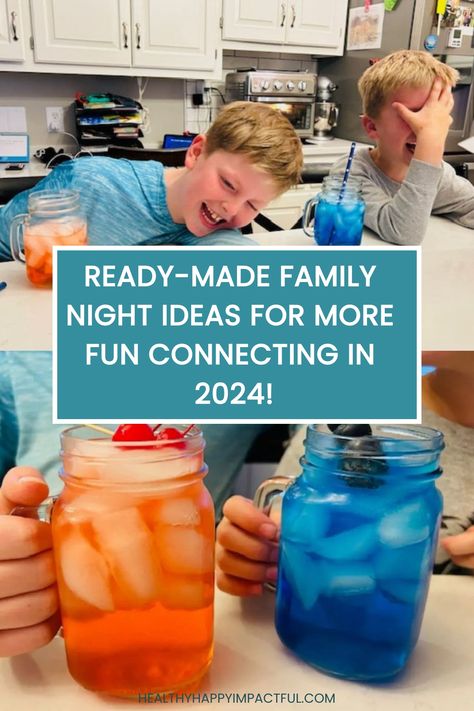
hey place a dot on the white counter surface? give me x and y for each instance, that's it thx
(447, 278)
(31, 170)
(250, 658)
(25, 311)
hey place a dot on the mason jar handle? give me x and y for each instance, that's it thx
(265, 499)
(267, 491)
(15, 245)
(42, 512)
(306, 219)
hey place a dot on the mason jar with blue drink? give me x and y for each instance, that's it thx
(338, 213)
(358, 537)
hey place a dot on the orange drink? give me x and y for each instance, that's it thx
(133, 537)
(53, 218)
(39, 240)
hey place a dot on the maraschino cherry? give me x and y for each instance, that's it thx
(133, 433)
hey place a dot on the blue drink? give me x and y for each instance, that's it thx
(359, 532)
(339, 213)
(339, 222)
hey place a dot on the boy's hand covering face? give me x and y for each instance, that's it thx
(434, 115)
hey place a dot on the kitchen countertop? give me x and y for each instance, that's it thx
(447, 285)
(249, 658)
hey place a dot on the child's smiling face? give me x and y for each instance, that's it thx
(222, 190)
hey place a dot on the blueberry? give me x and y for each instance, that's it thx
(362, 456)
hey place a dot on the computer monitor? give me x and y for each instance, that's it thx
(14, 148)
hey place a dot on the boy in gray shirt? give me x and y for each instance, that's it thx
(407, 102)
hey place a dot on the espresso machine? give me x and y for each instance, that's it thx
(326, 111)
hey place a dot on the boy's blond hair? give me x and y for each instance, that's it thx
(263, 135)
(406, 68)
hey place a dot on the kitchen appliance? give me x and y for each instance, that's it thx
(326, 112)
(293, 93)
(407, 26)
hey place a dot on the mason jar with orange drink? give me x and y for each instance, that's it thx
(53, 218)
(133, 534)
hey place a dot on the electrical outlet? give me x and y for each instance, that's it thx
(55, 119)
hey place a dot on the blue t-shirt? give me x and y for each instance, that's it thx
(123, 201)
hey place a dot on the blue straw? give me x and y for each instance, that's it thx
(344, 183)
(347, 170)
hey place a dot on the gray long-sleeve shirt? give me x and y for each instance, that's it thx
(399, 212)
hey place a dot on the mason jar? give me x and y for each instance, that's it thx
(339, 211)
(133, 533)
(358, 537)
(53, 218)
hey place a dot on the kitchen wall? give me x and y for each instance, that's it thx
(163, 97)
(168, 101)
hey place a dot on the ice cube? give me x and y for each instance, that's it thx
(85, 571)
(128, 547)
(146, 465)
(304, 575)
(349, 578)
(368, 503)
(353, 544)
(406, 525)
(408, 563)
(93, 504)
(184, 551)
(178, 512)
(407, 591)
(186, 593)
(306, 524)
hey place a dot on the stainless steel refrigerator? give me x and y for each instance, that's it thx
(405, 27)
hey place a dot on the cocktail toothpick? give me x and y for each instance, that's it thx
(98, 428)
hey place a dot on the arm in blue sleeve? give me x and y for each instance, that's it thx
(233, 238)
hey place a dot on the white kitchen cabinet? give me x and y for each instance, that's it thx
(86, 32)
(179, 34)
(125, 37)
(12, 31)
(309, 26)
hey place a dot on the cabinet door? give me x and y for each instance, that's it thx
(178, 34)
(250, 21)
(286, 209)
(86, 32)
(12, 33)
(316, 24)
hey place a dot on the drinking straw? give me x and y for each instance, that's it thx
(347, 170)
(344, 183)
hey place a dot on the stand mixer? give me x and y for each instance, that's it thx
(326, 111)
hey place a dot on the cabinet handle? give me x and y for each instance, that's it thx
(293, 16)
(125, 35)
(14, 33)
(283, 15)
(137, 27)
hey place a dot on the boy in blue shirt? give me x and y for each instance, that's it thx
(249, 156)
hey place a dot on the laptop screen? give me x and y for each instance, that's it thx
(14, 148)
